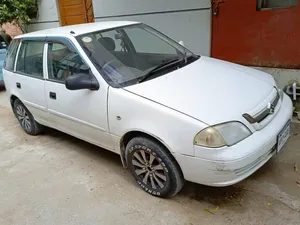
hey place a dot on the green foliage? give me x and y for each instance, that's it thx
(17, 11)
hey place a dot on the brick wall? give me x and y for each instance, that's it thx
(11, 29)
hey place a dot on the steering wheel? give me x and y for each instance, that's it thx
(55, 67)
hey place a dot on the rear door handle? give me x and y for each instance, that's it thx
(52, 95)
(18, 85)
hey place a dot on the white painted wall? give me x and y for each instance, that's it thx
(104, 8)
(41, 26)
(187, 20)
(47, 11)
(47, 16)
(282, 77)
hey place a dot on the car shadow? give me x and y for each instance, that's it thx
(219, 196)
(95, 153)
(84, 147)
(231, 195)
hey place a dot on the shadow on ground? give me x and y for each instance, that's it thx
(232, 195)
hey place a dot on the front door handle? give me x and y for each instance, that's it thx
(18, 85)
(52, 95)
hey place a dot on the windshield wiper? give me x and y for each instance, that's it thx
(188, 59)
(159, 67)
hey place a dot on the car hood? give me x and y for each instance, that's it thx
(210, 90)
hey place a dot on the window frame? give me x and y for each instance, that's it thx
(29, 39)
(15, 58)
(70, 45)
(260, 7)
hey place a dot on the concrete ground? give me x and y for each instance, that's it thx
(55, 179)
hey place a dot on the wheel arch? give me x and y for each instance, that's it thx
(139, 133)
(13, 98)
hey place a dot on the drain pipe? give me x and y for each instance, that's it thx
(296, 108)
(295, 91)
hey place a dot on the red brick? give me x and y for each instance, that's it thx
(11, 29)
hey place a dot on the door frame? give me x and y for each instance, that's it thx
(102, 91)
(36, 108)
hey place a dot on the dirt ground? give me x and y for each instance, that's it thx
(55, 179)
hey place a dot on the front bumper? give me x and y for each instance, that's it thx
(224, 167)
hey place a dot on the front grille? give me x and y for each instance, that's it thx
(267, 111)
(270, 108)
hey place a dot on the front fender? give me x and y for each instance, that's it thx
(130, 112)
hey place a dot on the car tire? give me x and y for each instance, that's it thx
(2, 86)
(25, 118)
(153, 167)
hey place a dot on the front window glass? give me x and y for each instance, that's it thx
(133, 54)
(63, 62)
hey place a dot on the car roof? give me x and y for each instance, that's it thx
(78, 29)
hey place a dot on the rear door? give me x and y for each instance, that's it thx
(28, 79)
(9, 65)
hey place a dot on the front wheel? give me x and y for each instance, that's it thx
(153, 167)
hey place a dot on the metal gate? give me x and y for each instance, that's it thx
(262, 33)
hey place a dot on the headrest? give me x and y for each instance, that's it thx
(107, 43)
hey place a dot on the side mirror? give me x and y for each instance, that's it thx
(181, 43)
(82, 81)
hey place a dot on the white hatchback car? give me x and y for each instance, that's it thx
(171, 115)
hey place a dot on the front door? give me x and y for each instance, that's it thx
(257, 32)
(81, 113)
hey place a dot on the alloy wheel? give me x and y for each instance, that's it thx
(149, 169)
(23, 118)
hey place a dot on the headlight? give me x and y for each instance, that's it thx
(220, 135)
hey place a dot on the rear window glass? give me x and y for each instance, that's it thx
(30, 58)
(11, 55)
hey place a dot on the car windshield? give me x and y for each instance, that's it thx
(133, 54)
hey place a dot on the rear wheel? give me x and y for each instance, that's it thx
(153, 167)
(25, 118)
(2, 85)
